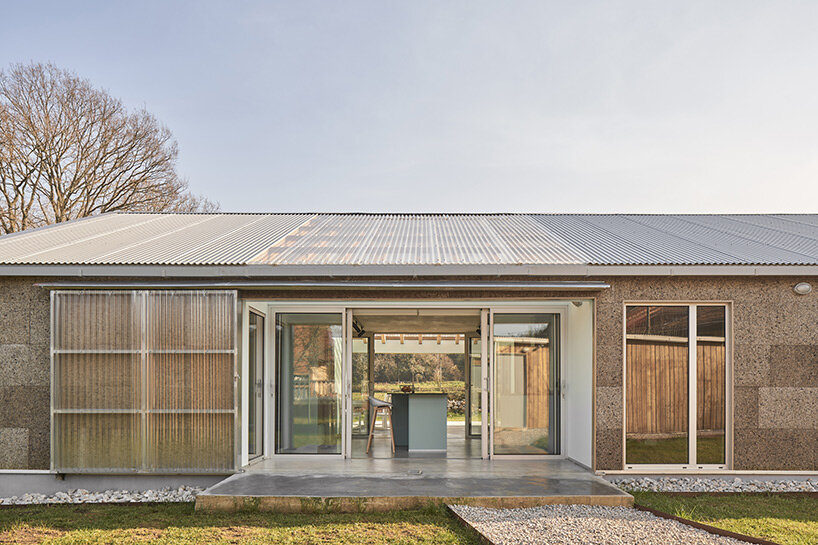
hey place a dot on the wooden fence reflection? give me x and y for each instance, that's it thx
(657, 384)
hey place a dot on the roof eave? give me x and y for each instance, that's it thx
(329, 271)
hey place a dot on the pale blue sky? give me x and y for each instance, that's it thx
(460, 106)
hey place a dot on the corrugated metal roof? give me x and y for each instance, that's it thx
(150, 239)
(419, 239)
(404, 239)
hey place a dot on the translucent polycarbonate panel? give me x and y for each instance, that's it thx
(711, 359)
(97, 381)
(182, 381)
(657, 350)
(195, 320)
(144, 381)
(526, 379)
(309, 355)
(97, 442)
(97, 321)
(190, 344)
(190, 442)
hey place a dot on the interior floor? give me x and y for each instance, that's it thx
(458, 446)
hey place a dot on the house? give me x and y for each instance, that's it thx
(142, 343)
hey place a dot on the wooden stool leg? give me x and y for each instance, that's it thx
(391, 427)
(371, 430)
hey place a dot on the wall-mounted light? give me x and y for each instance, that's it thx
(577, 303)
(802, 288)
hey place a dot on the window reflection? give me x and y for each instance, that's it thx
(308, 356)
(657, 346)
(526, 418)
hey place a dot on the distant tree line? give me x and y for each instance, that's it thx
(420, 367)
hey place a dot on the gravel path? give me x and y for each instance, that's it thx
(181, 494)
(692, 484)
(583, 524)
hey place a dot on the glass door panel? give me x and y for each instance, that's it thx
(711, 358)
(255, 382)
(526, 378)
(475, 370)
(360, 386)
(309, 356)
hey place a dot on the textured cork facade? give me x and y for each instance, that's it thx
(24, 375)
(775, 363)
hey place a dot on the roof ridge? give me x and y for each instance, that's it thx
(461, 214)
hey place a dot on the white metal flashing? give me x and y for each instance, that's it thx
(266, 271)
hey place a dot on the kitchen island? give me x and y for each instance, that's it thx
(419, 421)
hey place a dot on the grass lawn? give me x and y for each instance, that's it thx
(178, 524)
(786, 520)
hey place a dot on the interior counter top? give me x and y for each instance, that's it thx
(418, 393)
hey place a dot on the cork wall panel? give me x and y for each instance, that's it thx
(24, 374)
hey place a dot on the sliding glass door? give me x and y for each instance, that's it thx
(309, 350)
(526, 378)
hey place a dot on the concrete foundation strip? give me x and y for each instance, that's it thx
(706, 527)
(796, 494)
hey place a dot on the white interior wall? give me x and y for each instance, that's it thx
(578, 363)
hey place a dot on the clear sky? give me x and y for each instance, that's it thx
(471, 106)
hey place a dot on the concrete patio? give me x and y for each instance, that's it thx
(295, 485)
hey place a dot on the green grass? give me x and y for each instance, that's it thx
(178, 524)
(786, 520)
(709, 450)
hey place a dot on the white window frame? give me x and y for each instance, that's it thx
(691, 466)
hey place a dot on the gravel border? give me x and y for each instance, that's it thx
(694, 484)
(583, 524)
(161, 495)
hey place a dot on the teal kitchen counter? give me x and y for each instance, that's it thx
(419, 420)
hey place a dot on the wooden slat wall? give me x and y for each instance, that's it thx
(657, 383)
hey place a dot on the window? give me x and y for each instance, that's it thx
(675, 368)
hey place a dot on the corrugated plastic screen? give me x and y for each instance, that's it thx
(143, 381)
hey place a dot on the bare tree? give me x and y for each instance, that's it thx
(69, 150)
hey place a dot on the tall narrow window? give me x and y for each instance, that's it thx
(360, 386)
(664, 374)
(711, 358)
(475, 413)
(255, 383)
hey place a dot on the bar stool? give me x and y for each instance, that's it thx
(379, 406)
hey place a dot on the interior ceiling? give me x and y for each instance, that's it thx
(418, 321)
